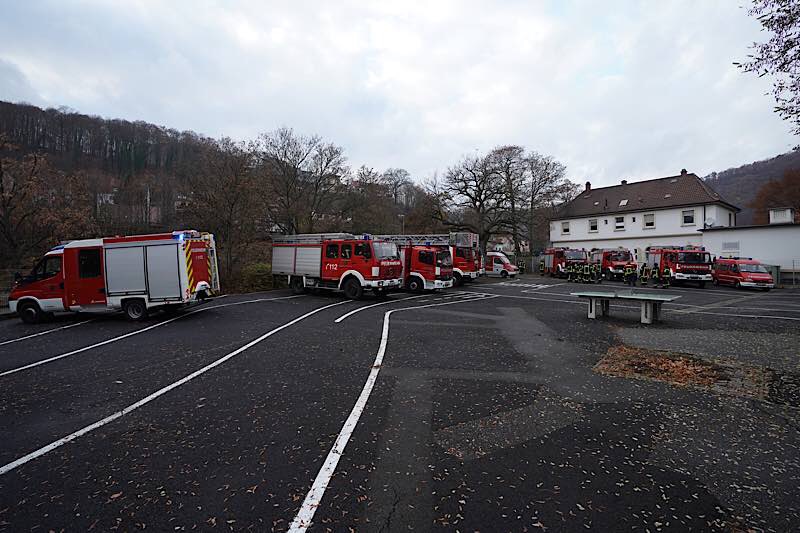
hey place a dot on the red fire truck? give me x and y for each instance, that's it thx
(135, 273)
(686, 263)
(427, 261)
(464, 247)
(612, 261)
(337, 261)
(557, 259)
(464, 252)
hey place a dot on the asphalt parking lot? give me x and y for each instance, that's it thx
(472, 409)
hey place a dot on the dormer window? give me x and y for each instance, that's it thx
(668, 195)
(597, 203)
(623, 203)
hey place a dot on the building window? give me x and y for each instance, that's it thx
(650, 220)
(619, 223)
(688, 217)
(592, 224)
(623, 203)
(565, 228)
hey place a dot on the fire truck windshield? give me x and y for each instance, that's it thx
(443, 258)
(385, 250)
(575, 255)
(694, 257)
(619, 256)
(747, 267)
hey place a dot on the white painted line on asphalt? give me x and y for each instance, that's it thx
(136, 332)
(160, 392)
(46, 332)
(577, 302)
(304, 516)
(358, 310)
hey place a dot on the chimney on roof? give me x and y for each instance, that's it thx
(683, 172)
(624, 182)
(588, 185)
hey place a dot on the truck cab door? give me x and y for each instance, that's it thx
(46, 283)
(330, 261)
(86, 283)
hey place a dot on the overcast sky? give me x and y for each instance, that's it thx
(613, 89)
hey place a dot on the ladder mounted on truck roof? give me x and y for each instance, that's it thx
(417, 240)
(313, 238)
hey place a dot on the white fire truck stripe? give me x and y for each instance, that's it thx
(46, 332)
(160, 392)
(354, 311)
(132, 333)
(304, 516)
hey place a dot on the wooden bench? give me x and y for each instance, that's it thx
(599, 302)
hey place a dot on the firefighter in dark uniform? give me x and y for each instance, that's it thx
(644, 274)
(541, 267)
(628, 275)
(597, 277)
(665, 277)
(587, 275)
(656, 277)
(568, 269)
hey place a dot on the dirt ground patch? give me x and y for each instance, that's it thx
(678, 369)
(722, 376)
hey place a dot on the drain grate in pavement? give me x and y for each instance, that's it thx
(722, 376)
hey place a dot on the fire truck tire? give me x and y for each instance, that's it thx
(415, 285)
(30, 313)
(702, 284)
(458, 280)
(297, 285)
(503, 274)
(134, 309)
(352, 289)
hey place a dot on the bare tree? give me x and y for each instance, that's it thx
(396, 179)
(477, 196)
(300, 175)
(510, 163)
(223, 199)
(779, 56)
(547, 186)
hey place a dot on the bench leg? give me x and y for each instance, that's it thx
(593, 307)
(647, 312)
(606, 305)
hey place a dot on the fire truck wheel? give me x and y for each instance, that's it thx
(352, 289)
(297, 285)
(458, 280)
(702, 284)
(415, 285)
(503, 274)
(29, 312)
(134, 309)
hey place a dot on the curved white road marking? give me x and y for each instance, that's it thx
(160, 392)
(304, 516)
(46, 332)
(136, 332)
(358, 310)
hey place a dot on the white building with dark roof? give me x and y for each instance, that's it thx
(664, 211)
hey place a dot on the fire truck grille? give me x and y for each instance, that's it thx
(390, 271)
(694, 271)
